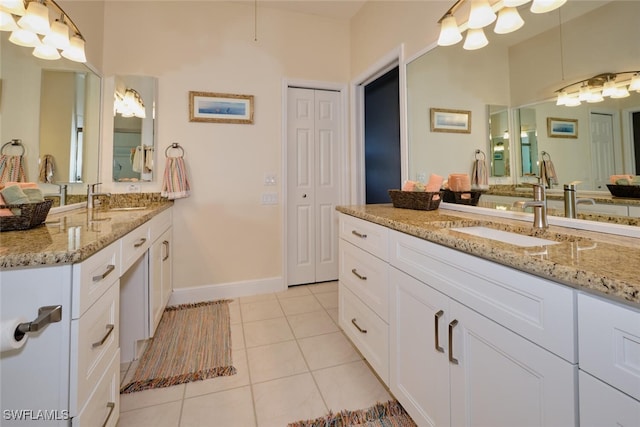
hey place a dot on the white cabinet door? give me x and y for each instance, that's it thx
(603, 405)
(160, 284)
(419, 368)
(500, 379)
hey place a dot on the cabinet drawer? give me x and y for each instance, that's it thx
(540, 310)
(92, 277)
(94, 341)
(367, 331)
(609, 343)
(603, 405)
(371, 237)
(366, 276)
(160, 223)
(134, 245)
(103, 406)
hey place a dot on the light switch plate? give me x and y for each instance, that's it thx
(270, 179)
(269, 198)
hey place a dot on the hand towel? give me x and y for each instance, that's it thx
(14, 195)
(45, 173)
(4, 211)
(148, 159)
(137, 161)
(548, 173)
(22, 185)
(175, 183)
(479, 175)
(614, 178)
(11, 168)
(34, 195)
(409, 185)
(459, 182)
(434, 184)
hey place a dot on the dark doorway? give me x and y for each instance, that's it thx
(636, 139)
(382, 137)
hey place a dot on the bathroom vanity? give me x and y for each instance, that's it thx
(82, 261)
(467, 330)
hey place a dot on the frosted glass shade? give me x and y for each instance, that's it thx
(58, 37)
(609, 88)
(7, 23)
(475, 39)
(562, 98)
(449, 32)
(596, 96)
(44, 51)
(572, 101)
(36, 19)
(509, 20)
(14, 7)
(514, 3)
(620, 92)
(75, 51)
(635, 82)
(543, 6)
(25, 38)
(481, 14)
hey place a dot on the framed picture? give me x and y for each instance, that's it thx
(562, 128)
(220, 108)
(455, 121)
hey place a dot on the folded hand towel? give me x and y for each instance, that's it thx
(434, 184)
(4, 211)
(409, 186)
(614, 178)
(22, 185)
(34, 195)
(623, 181)
(14, 195)
(459, 182)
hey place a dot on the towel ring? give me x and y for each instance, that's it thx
(480, 152)
(544, 153)
(176, 146)
(13, 143)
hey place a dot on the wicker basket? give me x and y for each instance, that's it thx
(420, 200)
(31, 215)
(462, 197)
(628, 191)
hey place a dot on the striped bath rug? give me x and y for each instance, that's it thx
(192, 343)
(389, 414)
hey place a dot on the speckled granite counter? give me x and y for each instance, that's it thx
(596, 262)
(71, 237)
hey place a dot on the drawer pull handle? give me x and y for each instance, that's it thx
(364, 331)
(102, 341)
(452, 325)
(139, 242)
(166, 250)
(359, 276)
(360, 235)
(438, 316)
(108, 271)
(111, 406)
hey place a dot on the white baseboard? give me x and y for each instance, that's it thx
(226, 290)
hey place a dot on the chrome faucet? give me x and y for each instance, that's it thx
(539, 204)
(62, 194)
(91, 188)
(570, 201)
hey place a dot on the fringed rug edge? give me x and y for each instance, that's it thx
(134, 386)
(196, 304)
(391, 408)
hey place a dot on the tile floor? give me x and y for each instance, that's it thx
(293, 363)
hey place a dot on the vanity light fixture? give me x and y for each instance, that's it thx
(130, 104)
(483, 14)
(596, 88)
(30, 27)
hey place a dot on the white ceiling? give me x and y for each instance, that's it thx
(338, 9)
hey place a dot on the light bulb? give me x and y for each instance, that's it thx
(449, 32)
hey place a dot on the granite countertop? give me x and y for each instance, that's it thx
(604, 264)
(71, 237)
(522, 191)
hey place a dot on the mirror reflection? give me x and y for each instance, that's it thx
(499, 137)
(134, 128)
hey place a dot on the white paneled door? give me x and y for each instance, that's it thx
(603, 157)
(313, 184)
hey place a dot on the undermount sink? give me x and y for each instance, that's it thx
(505, 236)
(130, 208)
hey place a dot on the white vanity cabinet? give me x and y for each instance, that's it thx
(609, 349)
(160, 268)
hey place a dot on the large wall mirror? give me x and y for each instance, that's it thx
(134, 128)
(54, 108)
(522, 71)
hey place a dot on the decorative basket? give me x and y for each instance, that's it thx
(31, 215)
(419, 200)
(628, 191)
(462, 197)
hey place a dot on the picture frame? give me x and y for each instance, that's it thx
(215, 107)
(562, 128)
(452, 121)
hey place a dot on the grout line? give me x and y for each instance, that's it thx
(246, 350)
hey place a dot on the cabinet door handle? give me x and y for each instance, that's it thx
(111, 406)
(360, 235)
(166, 250)
(364, 331)
(437, 319)
(102, 341)
(359, 276)
(139, 242)
(451, 326)
(107, 271)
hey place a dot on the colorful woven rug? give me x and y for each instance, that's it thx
(192, 343)
(389, 414)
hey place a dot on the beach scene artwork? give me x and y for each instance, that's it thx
(220, 108)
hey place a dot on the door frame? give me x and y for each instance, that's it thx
(394, 58)
(344, 154)
(627, 142)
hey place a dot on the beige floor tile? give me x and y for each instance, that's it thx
(328, 299)
(241, 378)
(166, 415)
(335, 315)
(157, 396)
(273, 361)
(324, 287)
(298, 305)
(129, 373)
(287, 400)
(257, 298)
(310, 324)
(327, 350)
(234, 313)
(231, 408)
(261, 310)
(237, 336)
(294, 291)
(265, 332)
(351, 386)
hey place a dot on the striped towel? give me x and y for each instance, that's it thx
(47, 168)
(479, 175)
(11, 169)
(175, 184)
(548, 173)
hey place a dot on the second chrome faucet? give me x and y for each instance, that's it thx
(91, 194)
(539, 204)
